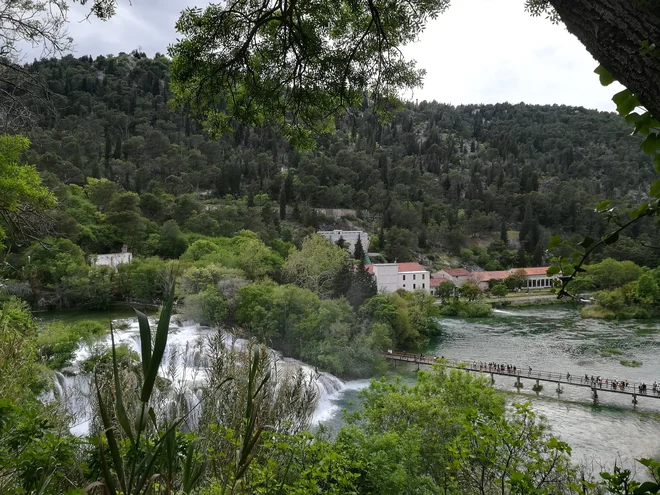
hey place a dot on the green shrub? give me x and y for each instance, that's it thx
(466, 309)
(57, 342)
(609, 352)
(630, 364)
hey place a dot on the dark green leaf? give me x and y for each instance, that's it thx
(553, 270)
(145, 340)
(611, 239)
(639, 211)
(119, 402)
(554, 241)
(651, 144)
(647, 487)
(112, 441)
(606, 78)
(655, 189)
(159, 346)
(587, 242)
(625, 101)
(107, 475)
(656, 162)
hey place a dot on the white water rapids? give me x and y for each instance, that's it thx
(184, 359)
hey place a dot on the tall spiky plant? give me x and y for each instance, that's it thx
(150, 444)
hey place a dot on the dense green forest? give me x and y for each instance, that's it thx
(436, 182)
(232, 220)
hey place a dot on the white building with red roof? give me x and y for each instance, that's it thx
(391, 277)
(533, 278)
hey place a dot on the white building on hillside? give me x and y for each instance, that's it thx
(391, 277)
(350, 236)
(113, 259)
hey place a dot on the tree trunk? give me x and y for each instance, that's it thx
(613, 32)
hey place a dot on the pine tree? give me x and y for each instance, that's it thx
(363, 286)
(358, 251)
(521, 261)
(117, 154)
(108, 146)
(529, 229)
(341, 242)
(504, 234)
(282, 203)
(538, 254)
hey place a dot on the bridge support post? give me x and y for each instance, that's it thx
(559, 389)
(492, 378)
(595, 394)
(518, 384)
(634, 401)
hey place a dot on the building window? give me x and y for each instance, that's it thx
(414, 286)
(404, 277)
(423, 286)
(423, 274)
(404, 286)
(414, 277)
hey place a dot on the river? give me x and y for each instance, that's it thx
(549, 338)
(555, 338)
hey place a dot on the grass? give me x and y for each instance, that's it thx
(596, 311)
(631, 364)
(609, 352)
(537, 388)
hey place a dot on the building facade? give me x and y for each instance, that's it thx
(391, 277)
(456, 275)
(350, 237)
(112, 260)
(533, 277)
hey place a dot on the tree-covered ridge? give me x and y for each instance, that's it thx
(428, 182)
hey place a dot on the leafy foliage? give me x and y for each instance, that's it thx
(294, 65)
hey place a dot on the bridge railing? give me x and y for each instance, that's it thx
(602, 384)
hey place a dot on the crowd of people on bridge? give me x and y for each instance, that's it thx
(594, 381)
(496, 368)
(622, 385)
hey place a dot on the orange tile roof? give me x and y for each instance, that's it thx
(486, 276)
(402, 267)
(537, 270)
(456, 272)
(411, 267)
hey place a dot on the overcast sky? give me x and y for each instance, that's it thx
(479, 51)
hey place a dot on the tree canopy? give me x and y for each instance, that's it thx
(295, 65)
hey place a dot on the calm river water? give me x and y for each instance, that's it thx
(555, 338)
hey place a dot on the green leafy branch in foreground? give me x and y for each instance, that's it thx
(644, 123)
(295, 65)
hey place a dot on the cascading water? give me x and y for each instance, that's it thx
(184, 363)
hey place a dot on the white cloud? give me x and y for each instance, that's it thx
(482, 51)
(479, 51)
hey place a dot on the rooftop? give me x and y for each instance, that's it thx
(456, 272)
(402, 267)
(537, 270)
(486, 276)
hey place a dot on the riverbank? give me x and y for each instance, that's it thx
(521, 300)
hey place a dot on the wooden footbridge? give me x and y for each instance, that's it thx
(595, 384)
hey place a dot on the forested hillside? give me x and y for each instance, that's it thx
(433, 182)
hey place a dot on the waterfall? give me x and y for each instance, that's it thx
(184, 363)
